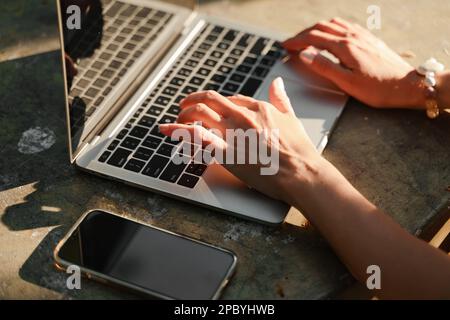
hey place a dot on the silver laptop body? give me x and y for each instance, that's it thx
(136, 59)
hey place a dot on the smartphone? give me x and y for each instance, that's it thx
(148, 260)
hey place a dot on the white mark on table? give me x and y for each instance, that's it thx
(36, 140)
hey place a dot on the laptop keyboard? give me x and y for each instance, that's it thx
(127, 31)
(220, 59)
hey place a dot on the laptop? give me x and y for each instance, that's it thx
(127, 65)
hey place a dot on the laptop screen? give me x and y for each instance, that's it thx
(102, 41)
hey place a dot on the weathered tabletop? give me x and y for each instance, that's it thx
(398, 159)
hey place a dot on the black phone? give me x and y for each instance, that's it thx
(148, 260)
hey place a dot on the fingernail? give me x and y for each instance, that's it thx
(182, 101)
(308, 56)
(163, 128)
(280, 84)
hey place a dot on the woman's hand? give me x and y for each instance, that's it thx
(369, 70)
(298, 158)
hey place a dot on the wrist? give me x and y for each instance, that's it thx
(412, 92)
(303, 177)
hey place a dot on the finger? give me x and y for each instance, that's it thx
(195, 133)
(201, 112)
(331, 28)
(279, 98)
(244, 101)
(341, 23)
(325, 67)
(212, 99)
(318, 39)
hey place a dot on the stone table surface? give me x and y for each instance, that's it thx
(398, 159)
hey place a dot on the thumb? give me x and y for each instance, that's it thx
(325, 67)
(278, 96)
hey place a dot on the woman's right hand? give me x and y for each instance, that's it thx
(369, 70)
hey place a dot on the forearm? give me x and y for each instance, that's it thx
(362, 235)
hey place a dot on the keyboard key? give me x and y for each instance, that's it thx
(113, 145)
(250, 60)
(163, 101)
(155, 111)
(225, 69)
(197, 81)
(92, 92)
(114, 9)
(192, 63)
(212, 86)
(211, 63)
(188, 149)
(139, 132)
(130, 143)
(166, 150)
(119, 157)
(128, 11)
(245, 40)
(259, 46)
(267, 62)
(104, 156)
(261, 72)
(274, 54)
(223, 46)
(179, 98)
(122, 134)
(188, 181)
(184, 72)
(204, 46)
(177, 81)
(237, 78)
(143, 12)
(189, 90)
(244, 69)
(250, 87)
(231, 60)
(135, 165)
(196, 169)
(151, 142)
(174, 109)
(108, 73)
(167, 119)
(122, 55)
(173, 172)
(237, 52)
(217, 54)
(155, 166)
(218, 78)
(217, 30)
(147, 121)
(198, 54)
(169, 140)
(231, 35)
(143, 153)
(211, 38)
(231, 87)
(155, 131)
(204, 72)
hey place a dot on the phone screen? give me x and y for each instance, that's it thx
(156, 261)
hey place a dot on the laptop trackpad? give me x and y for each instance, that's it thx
(317, 107)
